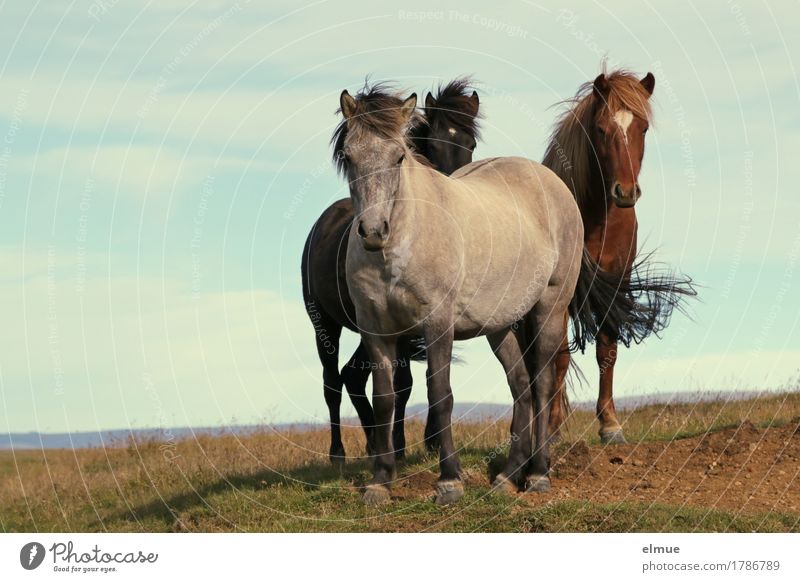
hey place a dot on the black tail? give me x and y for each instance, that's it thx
(627, 308)
(419, 351)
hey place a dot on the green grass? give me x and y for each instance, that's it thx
(284, 483)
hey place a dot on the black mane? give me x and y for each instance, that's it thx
(455, 106)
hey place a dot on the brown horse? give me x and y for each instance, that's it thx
(597, 148)
(446, 136)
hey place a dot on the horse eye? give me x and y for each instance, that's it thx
(645, 130)
(400, 161)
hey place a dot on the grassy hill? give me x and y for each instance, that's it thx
(711, 466)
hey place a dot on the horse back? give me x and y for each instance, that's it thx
(521, 181)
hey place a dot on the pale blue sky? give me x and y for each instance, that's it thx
(161, 164)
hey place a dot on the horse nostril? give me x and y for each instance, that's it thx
(361, 231)
(638, 191)
(618, 190)
(385, 231)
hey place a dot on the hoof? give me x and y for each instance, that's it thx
(449, 492)
(376, 495)
(537, 484)
(504, 485)
(612, 437)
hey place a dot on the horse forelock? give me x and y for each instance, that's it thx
(454, 106)
(627, 92)
(378, 111)
(569, 151)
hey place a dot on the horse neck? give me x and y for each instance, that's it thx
(405, 210)
(597, 208)
(416, 190)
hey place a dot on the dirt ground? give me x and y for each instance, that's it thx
(743, 470)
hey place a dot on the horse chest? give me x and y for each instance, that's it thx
(385, 294)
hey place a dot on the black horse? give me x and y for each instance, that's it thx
(446, 136)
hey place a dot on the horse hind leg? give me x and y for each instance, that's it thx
(439, 339)
(402, 391)
(328, 333)
(432, 440)
(558, 406)
(545, 335)
(355, 374)
(507, 347)
(610, 427)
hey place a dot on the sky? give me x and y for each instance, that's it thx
(161, 164)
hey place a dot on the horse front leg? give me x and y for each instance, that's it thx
(449, 488)
(610, 427)
(382, 352)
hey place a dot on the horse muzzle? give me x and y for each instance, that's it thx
(373, 238)
(625, 197)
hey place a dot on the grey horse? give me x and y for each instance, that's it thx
(455, 258)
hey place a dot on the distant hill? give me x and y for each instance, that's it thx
(464, 411)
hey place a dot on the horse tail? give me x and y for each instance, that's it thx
(628, 307)
(418, 349)
(574, 373)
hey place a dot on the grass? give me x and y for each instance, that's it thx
(283, 482)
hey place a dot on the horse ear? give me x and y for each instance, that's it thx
(347, 104)
(600, 86)
(408, 106)
(475, 102)
(649, 83)
(430, 102)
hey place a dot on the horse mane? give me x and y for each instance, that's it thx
(378, 110)
(569, 151)
(454, 105)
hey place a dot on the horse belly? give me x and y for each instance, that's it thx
(496, 302)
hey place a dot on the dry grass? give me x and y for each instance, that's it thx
(270, 481)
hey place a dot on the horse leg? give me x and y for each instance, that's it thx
(432, 440)
(449, 488)
(328, 333)
(382, 352)
(402, 392)
(507, 347)
(558, 404)
(546, 346)
(355, 374)
(610, 428)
